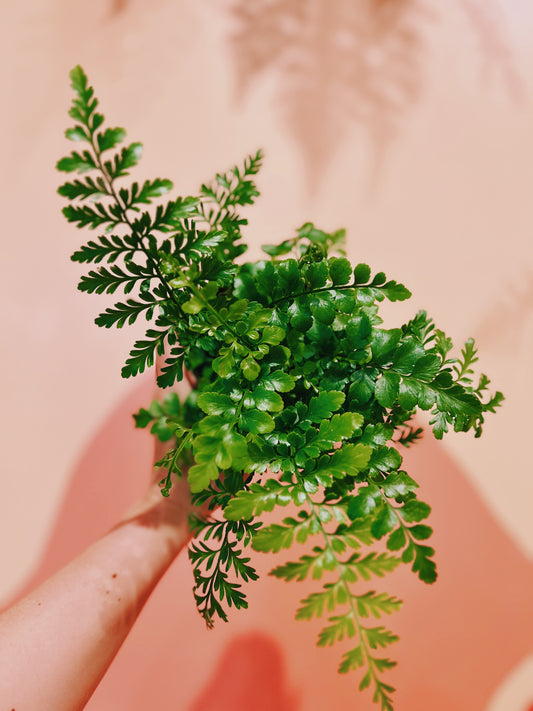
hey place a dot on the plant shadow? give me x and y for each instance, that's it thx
(342, 64)
(250, 674)
(465, 634)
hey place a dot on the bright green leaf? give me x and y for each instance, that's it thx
(267, 399)
(361, 273)
(340, 270)
(384, 522)
(279, 381)
(387, 388)
(256, 422)
(322, 406)
(200, 475)
(215, 404)
(250, 368)
(414, 511)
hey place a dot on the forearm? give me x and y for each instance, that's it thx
(57, 643)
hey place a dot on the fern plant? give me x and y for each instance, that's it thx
(303, 397)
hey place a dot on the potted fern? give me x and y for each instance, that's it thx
(302, 396)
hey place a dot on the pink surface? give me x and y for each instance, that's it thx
(459, 638)
(411, 120)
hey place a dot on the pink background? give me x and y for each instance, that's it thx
(410, 123)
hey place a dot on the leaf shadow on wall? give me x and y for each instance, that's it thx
(342, 64)
(487, 22)
(507, 325)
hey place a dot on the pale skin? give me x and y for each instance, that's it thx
(57, 643)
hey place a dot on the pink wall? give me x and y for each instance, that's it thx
(407, 122)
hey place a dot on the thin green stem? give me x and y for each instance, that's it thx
(317, 291)
(349, 596)
(168, 479)
(196, 291)
(209, 588)
(222, 322)
(124, 210)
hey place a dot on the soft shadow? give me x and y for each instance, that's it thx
(487, 22)
(343, 64)
(463, 635)
(117, 7)
(507, 326)
(340, 63)
(250, 674)
(110, 475)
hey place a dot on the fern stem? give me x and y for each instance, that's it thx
(349, 596)
(113, 193)
(198, 294)
(168, 481)
(316, 291)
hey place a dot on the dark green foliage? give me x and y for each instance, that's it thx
(213, 558)
(303, 395)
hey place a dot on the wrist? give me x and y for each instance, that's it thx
(168, 516)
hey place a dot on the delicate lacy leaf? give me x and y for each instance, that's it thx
(257, 499)
(301, 397)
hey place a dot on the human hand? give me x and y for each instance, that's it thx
(174, 510)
